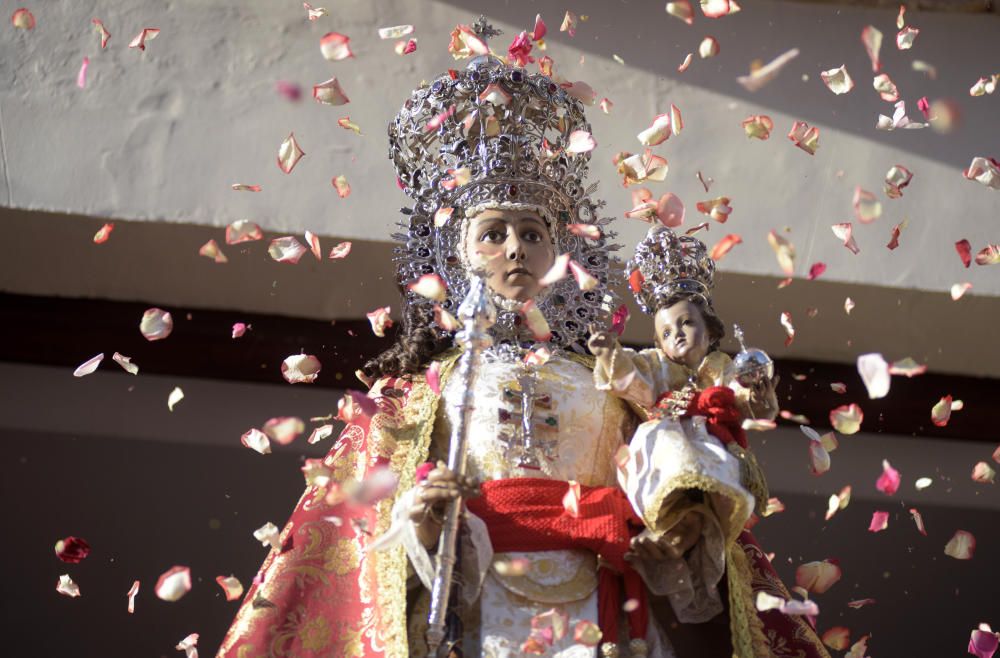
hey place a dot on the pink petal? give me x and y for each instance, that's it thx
(886, 88)
(189, 646)
(819, 458)
(818, 577)
(557, 272)
(466, 43)
(330, 93)
(588, 231)
(584, 279)
(657, 133)
(569, 24)
(139, 41)
(872, 40)
(300, 369)
(173, 584)
(686, 63)
(156, 324)
(587, 633)
(847, 419)
(571, 500)
(918, 520)
(879, 522)
(816, 270)
(342, 186)
(72, 550)
(211, 250)
(580, 141)
(347, 124)
(433, 377)
(867, 207)
(786, 322)
(313, 241)
(715, 8)
(888, 482)
(837, 80)
(860, 603)
(983, 473)
(314, 13)
(958, 290)
(760, 77)
(540, 29)
(126, 363)
(340, 250)
(758, 126)
(380, 321)
(962, 545)
(985, 171)
(964, 250)
(445, 320)
(88, 366)
(132, 592)
(104, 233)
(320, 433)
(430, 286)
(718, 209)
(838, 387)
(243, 230)
(335, 47)
(874, 371)
(709, 47)
(896, 179)
(804, 137)
(838, 502)
(983, 642)
(606, 106)
(243, 187)
(239, 328)
(257, 441)
(286, 249)
(231, 586)
(355, 406)
(283, 430)
(845, 232)
(81, 77)
(906, 37)
(989, 255)
(848, 305)
(784, 251)
(907, 367)
(23, 20)
(681, 10)
(723, 246)
(66, 586)
(289, 154)
(535, 321)
(405, 47)
(941, 412)
(837, 638)
(394, 32)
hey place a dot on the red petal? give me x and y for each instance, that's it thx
(964, 250)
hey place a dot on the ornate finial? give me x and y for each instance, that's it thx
(484, 29)
(738, 333)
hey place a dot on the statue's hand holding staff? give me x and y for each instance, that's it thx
(440, 487)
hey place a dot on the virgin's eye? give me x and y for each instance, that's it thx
(492, 235)
(532, 236)
(689, 322)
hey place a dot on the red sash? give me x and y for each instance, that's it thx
(527, 514)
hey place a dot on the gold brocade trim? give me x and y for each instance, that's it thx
(577, 587)
(410, 438)
(752, 476)
(745, 625)
(731, 529)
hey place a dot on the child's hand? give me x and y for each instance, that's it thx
(674, 544)
(601, 344)
(764, 391)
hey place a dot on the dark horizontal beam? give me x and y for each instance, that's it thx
(65, 332)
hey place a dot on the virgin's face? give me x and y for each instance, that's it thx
(514, 248)
(682, 334)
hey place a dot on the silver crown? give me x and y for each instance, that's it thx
(507, 131)
(667, 265)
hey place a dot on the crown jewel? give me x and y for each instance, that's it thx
(667, 265)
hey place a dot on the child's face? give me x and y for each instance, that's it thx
(682, 334)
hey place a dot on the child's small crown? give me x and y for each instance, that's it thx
(667, 265)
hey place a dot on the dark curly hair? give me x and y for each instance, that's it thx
(417, 342)
(716, 328)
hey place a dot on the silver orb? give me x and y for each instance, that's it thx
(753, 366)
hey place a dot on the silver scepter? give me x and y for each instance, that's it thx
(477, 315)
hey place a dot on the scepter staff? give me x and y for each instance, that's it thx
(477, 315)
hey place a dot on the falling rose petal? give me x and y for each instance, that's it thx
(709, 47)
(872, 40)
(156, 324)
(682, 10)
(335, 47)
(774, 506)
(286, 249)
(320, 433)
(784, 251)
(557, 272)
(67, 587)
(704, 226)
(211, 250)
(379, 320)
(874, 371)
(355, 406)
(888, 482)
(243, 230)
(964, 250)
(571, 500)
(818, 577)
(716, 8)
(175, 396)
(959, 289)
(961, 546)
(257, 441)
(837, 80)
(983, 642)
(569, 24)
(641, 167)
(445, 320)
(723, 246)
(405, 47)
(847, 418)
(347, 124)
(606, 105)
(657, 133)
(268, 535)
(765, 601)
(72, 550)
(314, 13)
(918, 520)
(819, 458)
(858, 604)
(243, 187)
(88, 366)
(81, 77)
(989, 255)
(239, 328)
(466, 43)
(941, 412)
(394, 32)
(330, 93)
(340, 250)
(173, 584)
(886, 88)
(313, 241)
(430, 286)
(584, 279)
(985, 85)
(896, 179)
(758, 425)
(342, 186)
(580, 141)
(588, 231)
(139, 40)
(985, 171)
(758, 126)
(879, 522)
(540, 29)
(867, 207)
(300, 369)
(906, 37)
(804, 137)
(786, 322)
(845, 232)
(189, 645)
(837, 638)
(104, 233)
(816, 270)
(894, 237)
(765, 74)
(23, 19)
(983, 473)
(133, 591)
(284, 429)
(793, 417)
(587, 633)
(838, 387)
(686, 63)
(838, 502)
(536, 322)
(433, 377)
(289, 154)
(907, 367)
(718, 209)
